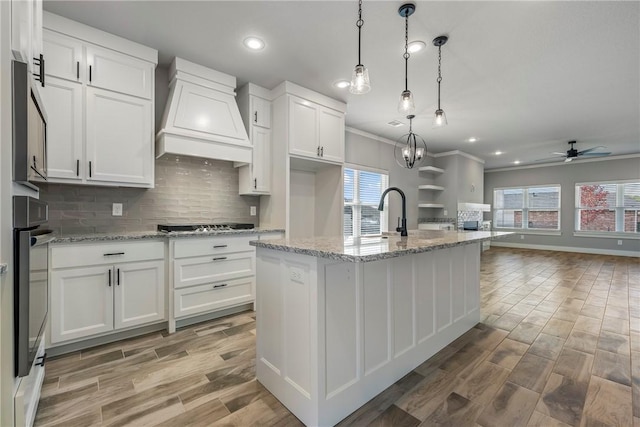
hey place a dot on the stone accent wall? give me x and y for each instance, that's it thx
(187, 190)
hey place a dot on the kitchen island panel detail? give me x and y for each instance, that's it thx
(356, 328)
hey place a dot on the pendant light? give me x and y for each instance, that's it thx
(406, 104)
(440, 118)
(360, 79)
(410, 150)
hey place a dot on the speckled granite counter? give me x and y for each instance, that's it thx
(150, 235)
(376, 248)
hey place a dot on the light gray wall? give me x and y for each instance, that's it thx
(360, 150)
(463, 179)
(187, 190)
(567, 175)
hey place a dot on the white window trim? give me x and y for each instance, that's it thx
(619, 210)
(356, 204)
(525, 211)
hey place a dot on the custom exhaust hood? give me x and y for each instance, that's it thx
(201, 117)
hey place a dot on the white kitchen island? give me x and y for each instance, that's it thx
(339, 320)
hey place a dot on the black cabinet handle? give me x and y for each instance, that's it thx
(89, 73)
(42, 360)
(255, 117)
(219, 246)
(39, 61)
(321, 151)
(220, 258)
(255, 183)
(222, 285)
(89, 168)
(109, 277)
(78, 167)
(78, 69)
(42, 69)
(113, 253)
(318, 151)
(118, 277)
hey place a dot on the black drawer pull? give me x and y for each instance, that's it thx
(78, 69)
(219, 286)
(220, 258)
(118, 277)
(42, 359)
(89, 73)
(219, 246)
(114, 253)
(78, 167)
(109, 277)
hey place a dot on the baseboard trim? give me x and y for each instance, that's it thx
(566, 249)
(180, 323)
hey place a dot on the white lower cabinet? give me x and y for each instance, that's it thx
(199, 299)
(90, 300)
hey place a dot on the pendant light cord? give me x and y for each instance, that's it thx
(439, 72)
(359, 24)
(406, 51)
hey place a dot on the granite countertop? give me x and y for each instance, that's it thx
(366, 249)
(150, 235)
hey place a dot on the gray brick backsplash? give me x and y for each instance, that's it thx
(187, 190)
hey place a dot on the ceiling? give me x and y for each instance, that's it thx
(521, 77)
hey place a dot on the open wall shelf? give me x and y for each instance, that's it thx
(431, 169)
(430, 187)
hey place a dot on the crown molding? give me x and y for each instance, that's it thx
(546, 165)
(459, 153)
(375, 137)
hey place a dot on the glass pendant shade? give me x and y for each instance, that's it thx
(406, 104)
(360, 80)
(439, 119)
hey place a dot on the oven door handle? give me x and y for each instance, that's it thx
(42, 239)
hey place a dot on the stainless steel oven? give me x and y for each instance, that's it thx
(31, 287)
(29, 129)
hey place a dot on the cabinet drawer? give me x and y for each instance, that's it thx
(200, 299)
(80, 254)
(212, 246)
(208, 269)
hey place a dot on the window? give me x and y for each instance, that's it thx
(608, 207)
(528, 208)
(362, 191)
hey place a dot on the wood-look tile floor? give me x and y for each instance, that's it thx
(559, 344)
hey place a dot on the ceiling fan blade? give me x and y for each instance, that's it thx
(559, 154)
(588, 150)
(568, 159)
(593, 154)
(548, 159)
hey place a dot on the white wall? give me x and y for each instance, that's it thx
(6, 256)
(567, 175)
(364, 151)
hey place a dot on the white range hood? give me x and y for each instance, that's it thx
(201, 117)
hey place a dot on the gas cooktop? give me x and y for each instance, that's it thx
(202, 228)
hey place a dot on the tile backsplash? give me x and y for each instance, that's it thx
(469, 216)
(187, 190)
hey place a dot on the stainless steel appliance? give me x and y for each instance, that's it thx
(29, 129)
(471, 225)
(203, 228)
(30, 279)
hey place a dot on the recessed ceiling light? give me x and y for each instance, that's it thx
(416, 46)
(342, 84)
(498, 153)
(472, 139)
(254, 43)
(395, 123)
(516, 162)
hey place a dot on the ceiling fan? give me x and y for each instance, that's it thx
(572, 153)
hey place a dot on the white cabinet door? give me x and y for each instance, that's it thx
(119, 138)
(261, 139)
(260, 112)
(63, 103)
(139, 293)
(331, 135)
(303, 128)
(118, 72)
(36, 33)
(63, 56)
(81, 302)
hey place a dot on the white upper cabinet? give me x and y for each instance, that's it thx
(331, 135)
(255, 109)
(101, 103)
(261, 112)
(118, 72)
(64, 56)
(64, 101)
(315, 131)
(122, 153)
